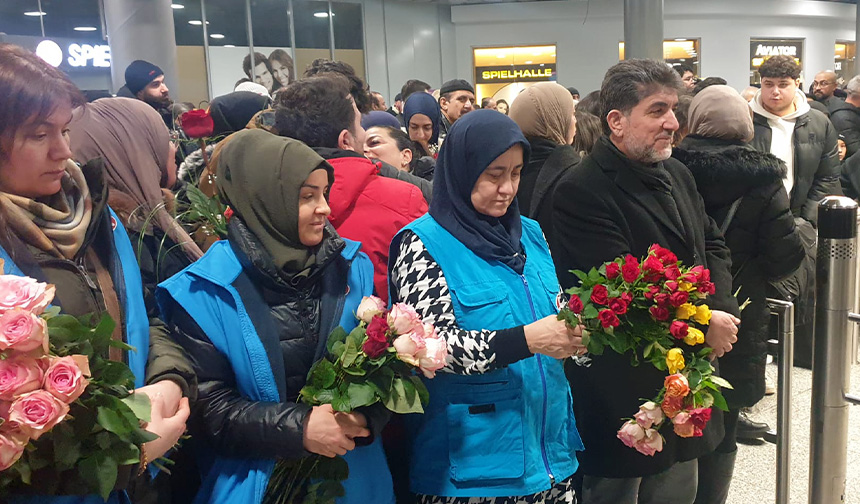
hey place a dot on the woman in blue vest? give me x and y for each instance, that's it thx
(59, 229)
(255, 313)
(499, 427)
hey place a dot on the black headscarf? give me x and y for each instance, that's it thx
(231, 112)
(423, 103)
(473, 142)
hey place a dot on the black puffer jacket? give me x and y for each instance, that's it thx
(816, 160)
(846, 119)
(762, 238)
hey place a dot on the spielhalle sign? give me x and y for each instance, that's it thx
(514, 73)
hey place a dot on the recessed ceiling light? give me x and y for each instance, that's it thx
(35, 13)
(196, 22)
(216, 35)
(321, 14)
(86, 28)
(228, 45)
(177, 6)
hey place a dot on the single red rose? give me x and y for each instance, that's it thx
(672, 272)
(653, 269)
(678, 298)
(377, 337)
(667, 257)
(197, 123)
(697, 270)
(689, 278)
(652, 291)
(659, 313)
(600, 295)
(575, 304)
(700, 417)
(228, 214)
(705, 276)
(662, 299)
(707, 288)
(608, 319)
(612, 270)
(678, 329)
(627, 297)
(618, 306)
(630, 272)
(671, 286)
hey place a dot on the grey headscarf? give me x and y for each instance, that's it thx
(720, 112)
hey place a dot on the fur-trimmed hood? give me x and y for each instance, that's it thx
(724, 171)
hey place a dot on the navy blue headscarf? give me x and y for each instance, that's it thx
(423, 103)
(473, 142)
(379, 118)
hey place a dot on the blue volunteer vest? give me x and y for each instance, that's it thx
(205, 291)
(125, 273)
(511, 431)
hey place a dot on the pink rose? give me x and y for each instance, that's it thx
(369, 307)
(433, 356)
(11, 448)
(25, 293)
(408, 345)
(684, 425)
(631, 433)
(18, 377)
(37, 412)
(65, 378)
(649, 414)
(22, 331)
(651, 443)
(430, 332)
(403, 319)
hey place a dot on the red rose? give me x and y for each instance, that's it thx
(612, 270)
(630, 271)
(700, 417)
(377, 337)
(608, 319)
(627, 297)
(652, 291)
(672, 286)
(228, 214)
(618, 306)
(707, 288)
(600, 295)
(667, 257)
(678, 329)
(653, 269)
(197, 123)
(673, 272)
(662, 299)
(671, 406)
(678, 298)
(659, 313)
(699, 270)
(575, 304)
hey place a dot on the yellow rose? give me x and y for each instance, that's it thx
(703, 314)
(685, 311)
(694, 336)
(675, 360)
(686, 286)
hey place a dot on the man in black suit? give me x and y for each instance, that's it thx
(625, 196)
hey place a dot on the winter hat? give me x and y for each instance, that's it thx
(455, 85)
(379, 118)
(253, 87)
(140, 73)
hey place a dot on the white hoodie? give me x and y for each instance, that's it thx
(782, 132)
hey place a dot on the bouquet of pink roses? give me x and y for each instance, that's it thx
(653, 308)
(64, 407)
(374, 363)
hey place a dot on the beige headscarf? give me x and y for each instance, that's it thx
(132, 140)
(544, 110)
(720, 112)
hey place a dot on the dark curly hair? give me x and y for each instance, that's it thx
(777, 67)
(315, 110)
(357, 87)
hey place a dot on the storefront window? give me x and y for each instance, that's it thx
(676, 52)
(843, 63)
(502, 72)
(762, 49)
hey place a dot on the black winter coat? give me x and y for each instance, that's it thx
(764, 244)
(549, 161)
(290, 318)
(602, 210)
(816, 160)
(846, 119)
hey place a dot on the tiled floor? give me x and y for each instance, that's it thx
(755, 471)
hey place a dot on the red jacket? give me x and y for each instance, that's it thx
(369, 208)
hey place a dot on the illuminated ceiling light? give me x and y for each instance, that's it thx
(529, 62)
(228, 45)
(216, 35)
(322, 14)
(50, 51)
(35, 13)
(85, 28)
(196, 22)
(680, 40)
(177, 6)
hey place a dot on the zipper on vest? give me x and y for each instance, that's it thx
(79, 263)
(543, 384)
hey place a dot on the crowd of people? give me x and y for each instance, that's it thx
(474, 214)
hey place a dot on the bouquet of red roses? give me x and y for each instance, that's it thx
(654, 309)
(65, 408)
(375, 363)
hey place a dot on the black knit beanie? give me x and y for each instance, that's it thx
(140, 73)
